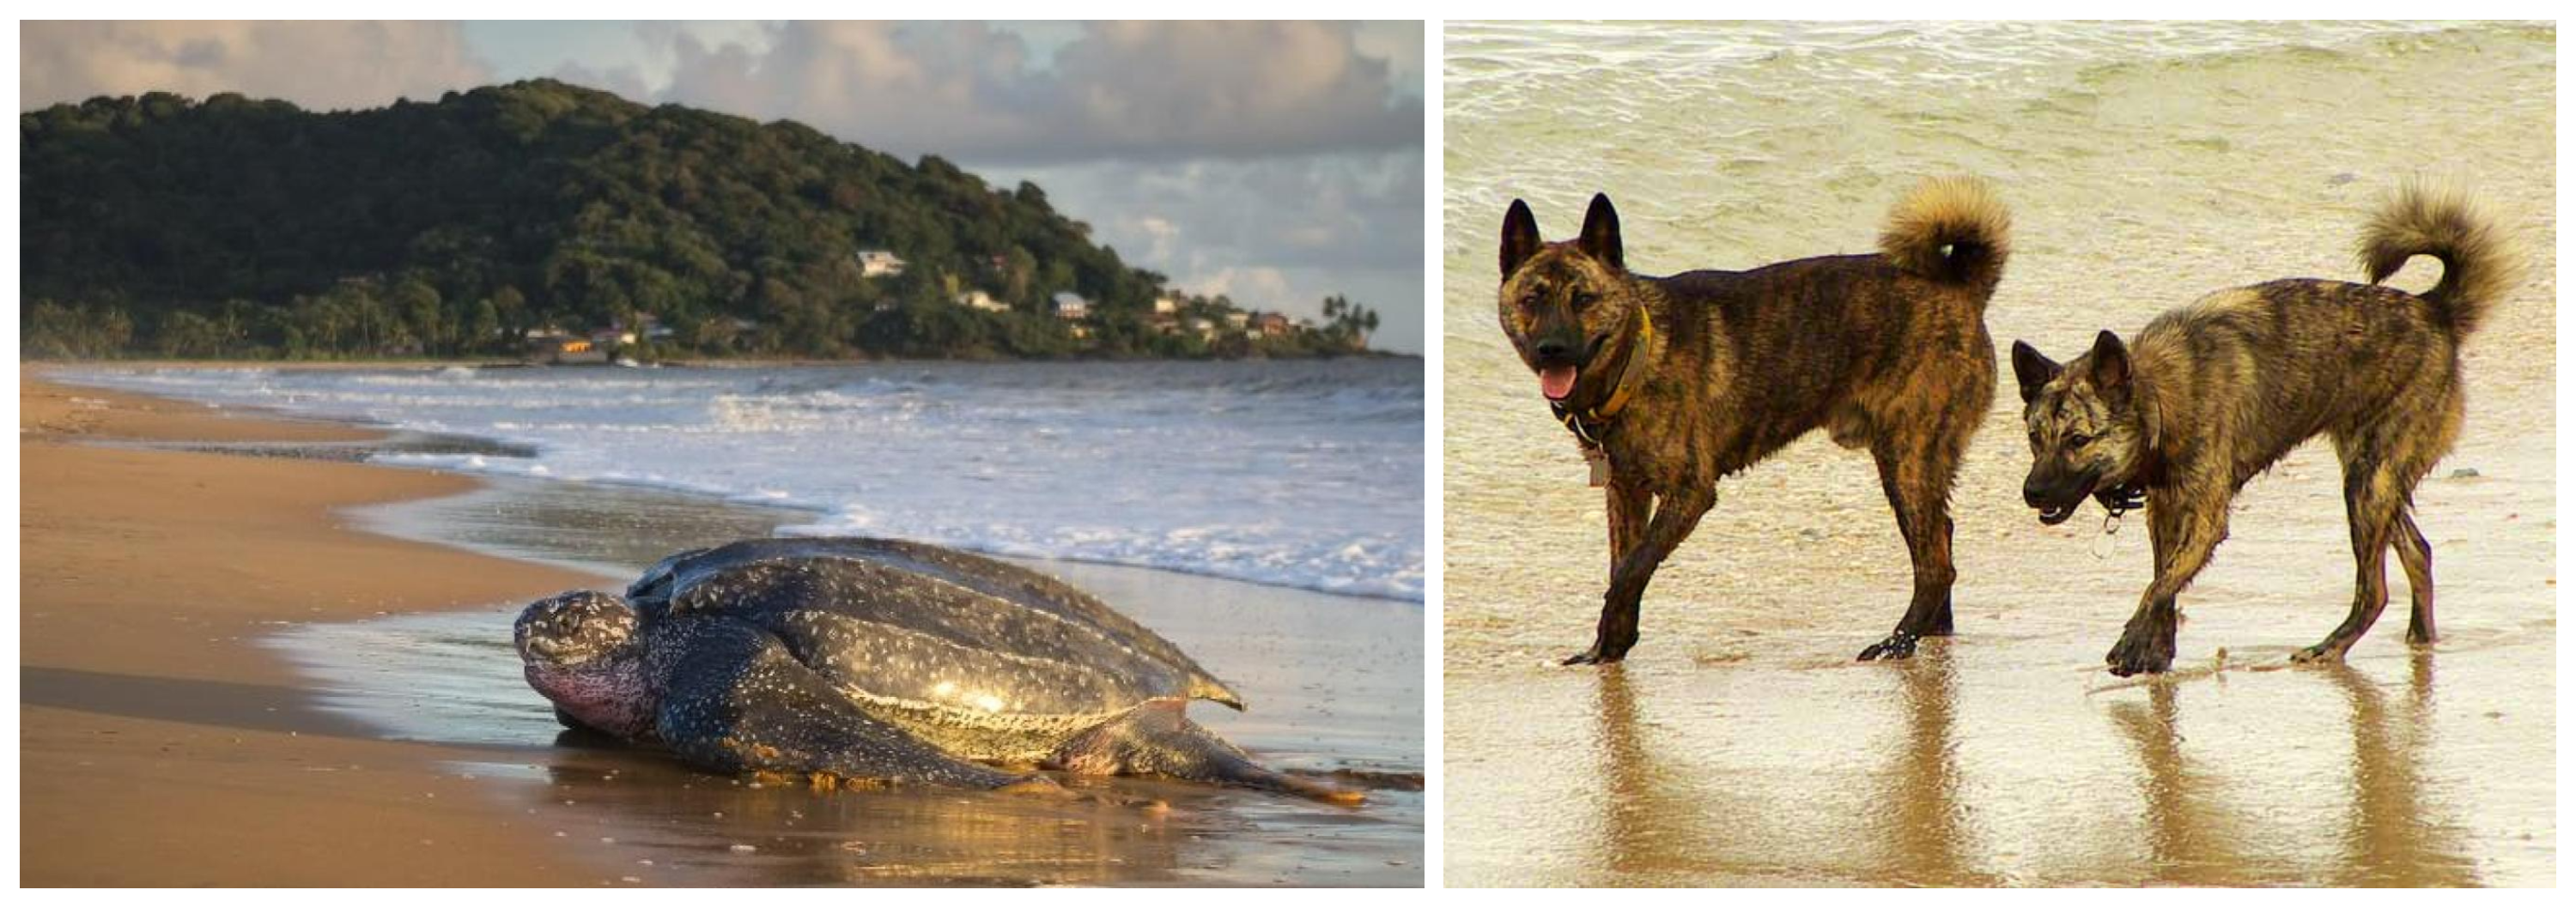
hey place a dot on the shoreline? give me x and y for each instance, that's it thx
(160, 743)
(370, 435)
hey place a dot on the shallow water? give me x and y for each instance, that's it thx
(1334, 683)
(2145, 166)
(1303, 473)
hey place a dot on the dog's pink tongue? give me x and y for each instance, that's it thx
(1556, 382)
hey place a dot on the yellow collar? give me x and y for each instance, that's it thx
(1630, 375)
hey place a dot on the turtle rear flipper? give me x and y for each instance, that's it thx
(1157, 739)
(739, 702)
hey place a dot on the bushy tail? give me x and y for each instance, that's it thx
(2439, 220)
(1950, 229)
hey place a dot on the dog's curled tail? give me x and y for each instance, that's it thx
(1950, 229)
(2439, 220)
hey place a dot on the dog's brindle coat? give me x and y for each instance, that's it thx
(2210, 395)
(1887, 351)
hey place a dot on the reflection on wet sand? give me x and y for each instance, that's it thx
(2393, 836)
(1920, 818)
(1646, 825)
(2190, 836)
(2390, 832)
(691, 827)
(2251, 803)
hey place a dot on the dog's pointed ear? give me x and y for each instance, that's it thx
(1520, 237)
(2032, 370)
(1601, 233)
(2110, 364)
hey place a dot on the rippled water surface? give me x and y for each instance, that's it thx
(1294, 473)
(2145, 166)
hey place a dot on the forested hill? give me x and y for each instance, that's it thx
(157, 225)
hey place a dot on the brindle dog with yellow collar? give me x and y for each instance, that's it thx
(1670, 383)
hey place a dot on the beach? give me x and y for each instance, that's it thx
(2145, 165)
(294, 670)
(158, 744)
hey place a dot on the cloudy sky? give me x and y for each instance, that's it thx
(1275, 162)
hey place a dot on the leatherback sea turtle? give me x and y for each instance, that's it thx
(869, 660)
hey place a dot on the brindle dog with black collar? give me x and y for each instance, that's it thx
(1674, 382)
(2211, 395)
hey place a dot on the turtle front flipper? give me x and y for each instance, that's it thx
(739, 702)
(1157, 739)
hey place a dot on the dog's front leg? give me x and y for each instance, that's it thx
(1675, 515)
(2185, 526)
(1630, 504)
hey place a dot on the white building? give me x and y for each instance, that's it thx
(1071, 305)
(879, 263)
(977, 299)
(1168, 303)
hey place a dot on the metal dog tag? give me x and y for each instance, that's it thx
(1600, 466)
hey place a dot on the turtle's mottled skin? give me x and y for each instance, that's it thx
(880, 660)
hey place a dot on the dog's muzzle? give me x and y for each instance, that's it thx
(2056, 501)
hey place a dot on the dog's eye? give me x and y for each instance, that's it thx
(1582, 298)
(2078, 440)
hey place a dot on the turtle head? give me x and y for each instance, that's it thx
(584, 650)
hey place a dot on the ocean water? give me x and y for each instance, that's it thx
(1294, 473)
(2145, 165)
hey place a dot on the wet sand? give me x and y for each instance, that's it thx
(158, 745)
(403, 698)
(1740, 744)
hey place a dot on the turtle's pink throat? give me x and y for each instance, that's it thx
(606, 694)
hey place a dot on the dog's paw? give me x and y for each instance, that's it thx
(1898, 645)
(1593, 656)
(2140, 654)
(2322, 652)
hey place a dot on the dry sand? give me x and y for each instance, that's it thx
(158, 745)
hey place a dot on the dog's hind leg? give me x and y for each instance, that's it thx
(1917, 483)
(2417, 556)
(2374, 498)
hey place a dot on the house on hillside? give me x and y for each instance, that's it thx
(1168, 302)
(1271, 324)
(879, 263)
(982, 301)
(559, 348)
(1070, 306)
(1238, 320)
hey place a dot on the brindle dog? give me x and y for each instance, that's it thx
(1675, 382)
(2212, 394)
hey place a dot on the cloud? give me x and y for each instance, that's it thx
(970, 91)
(322, 65)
